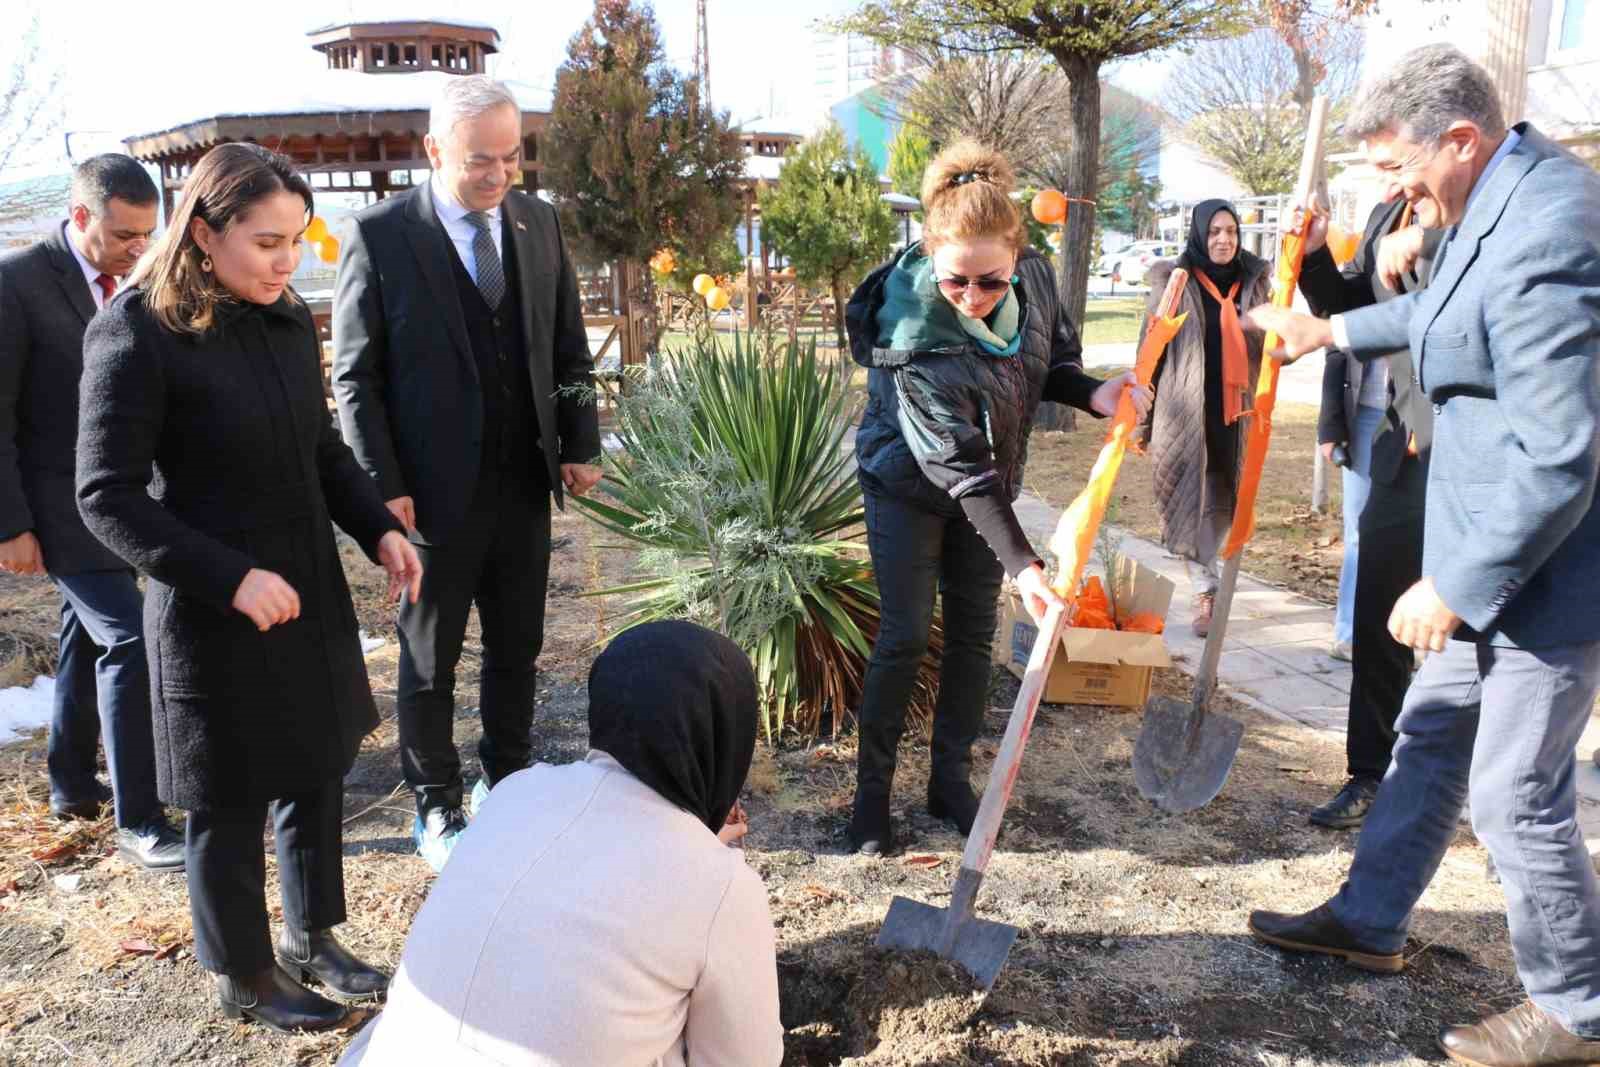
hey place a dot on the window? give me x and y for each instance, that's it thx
(1574, 29)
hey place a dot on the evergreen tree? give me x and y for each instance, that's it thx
(828, 218)
(634, 160)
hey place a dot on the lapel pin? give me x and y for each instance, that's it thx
(522, 225)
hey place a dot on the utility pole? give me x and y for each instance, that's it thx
(702, 52)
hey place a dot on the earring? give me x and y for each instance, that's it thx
(205, 264)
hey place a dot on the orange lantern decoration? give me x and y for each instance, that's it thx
(316, 230)
(664, 262)
(1050, 207)
(328, 250)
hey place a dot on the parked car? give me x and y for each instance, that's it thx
(1128, 266)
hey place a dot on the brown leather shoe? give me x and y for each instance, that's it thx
(1318, 931)
(1522, 1037)
(1203, 605)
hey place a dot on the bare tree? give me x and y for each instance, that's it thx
(1008, 100)
(30, 104)
(1239, 101)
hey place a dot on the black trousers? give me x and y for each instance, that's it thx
(1390, 562)
(500, 560)
(915, 554)
(227, 872)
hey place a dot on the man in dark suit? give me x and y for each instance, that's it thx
(1394, 258)
(1507, 344)
(463, 378)
(48, 293)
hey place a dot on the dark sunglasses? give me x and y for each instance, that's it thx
(955, 285)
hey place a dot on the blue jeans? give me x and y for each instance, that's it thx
(1500, 725)
(1357, 484)
(103, 693)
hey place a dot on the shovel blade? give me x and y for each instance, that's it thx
(1178, 768)
(978, 945)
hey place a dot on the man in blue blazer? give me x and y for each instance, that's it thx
(1507, 346)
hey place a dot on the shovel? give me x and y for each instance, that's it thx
(1184, 753)
(953, 932)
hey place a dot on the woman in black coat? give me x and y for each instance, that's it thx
(206, 375)
(964, 336)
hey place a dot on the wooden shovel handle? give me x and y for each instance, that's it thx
(1003, 775)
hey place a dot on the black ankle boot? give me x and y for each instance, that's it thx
(308, 954)
(871, 829)
(275, 1000)
(953, 801)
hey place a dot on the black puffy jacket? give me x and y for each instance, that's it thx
(949, 428)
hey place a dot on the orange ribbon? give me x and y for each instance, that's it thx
(1235, 357)
(1073, 540)
(1286, 276)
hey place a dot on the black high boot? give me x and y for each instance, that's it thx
(276, 1001)
(956, 724)
(308, 954)
(878, 737)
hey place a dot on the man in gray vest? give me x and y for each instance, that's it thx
(1506, 340)
(463, 377)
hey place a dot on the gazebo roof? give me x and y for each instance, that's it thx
(404, 18)
(318, 102)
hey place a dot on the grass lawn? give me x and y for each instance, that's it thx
(1113, 320)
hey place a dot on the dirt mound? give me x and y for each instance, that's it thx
(862, 998)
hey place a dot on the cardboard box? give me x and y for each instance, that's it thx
(1104, 667)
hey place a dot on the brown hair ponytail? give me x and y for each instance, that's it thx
(966, 195)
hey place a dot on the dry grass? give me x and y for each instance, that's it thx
(1294, 547)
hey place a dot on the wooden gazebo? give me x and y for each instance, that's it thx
(357, 127)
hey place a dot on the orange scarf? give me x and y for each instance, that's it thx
(1235, 358)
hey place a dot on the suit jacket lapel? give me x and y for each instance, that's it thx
(432, 247)
(70, 275)
(1458, 252)
(520, 226)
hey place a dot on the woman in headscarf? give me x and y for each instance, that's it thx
(1204, 387)
(964, 336)
(593, 912)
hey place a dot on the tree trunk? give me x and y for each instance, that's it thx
(838, 317)
(1081, 173)
(643, 302)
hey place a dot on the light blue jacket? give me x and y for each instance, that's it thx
(1507, 344)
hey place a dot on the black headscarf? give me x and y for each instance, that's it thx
(675, 704)
(1195, 255)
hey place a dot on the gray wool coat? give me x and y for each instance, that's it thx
(1196, 501)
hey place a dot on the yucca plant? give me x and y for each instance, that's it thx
(734, 487)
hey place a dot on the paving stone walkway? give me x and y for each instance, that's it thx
(1275, 656)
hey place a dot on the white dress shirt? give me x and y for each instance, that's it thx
(90, 271)
(461, 232)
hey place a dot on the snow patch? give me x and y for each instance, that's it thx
(24, 709)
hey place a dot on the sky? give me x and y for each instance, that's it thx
(139, 67)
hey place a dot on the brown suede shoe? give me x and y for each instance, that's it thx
(1318, 931)
(1203, 605)
(1522, 1037)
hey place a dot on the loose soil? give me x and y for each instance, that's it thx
(1132, 947)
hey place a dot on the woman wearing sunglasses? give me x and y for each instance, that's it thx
(964, 336)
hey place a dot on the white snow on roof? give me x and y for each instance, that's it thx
(404, 16)
(322, 92)
(792, 125)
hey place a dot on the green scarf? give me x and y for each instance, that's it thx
(915, 317)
